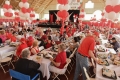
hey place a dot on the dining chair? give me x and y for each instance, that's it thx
(6, 59)
(21, 76)
(86, 74)
(62, 71)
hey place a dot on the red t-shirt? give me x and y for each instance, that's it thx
(61, 58)
(13, 39)
(20, 48)
(87, 44)
(8, 35)
(29, 43)
(48, 45)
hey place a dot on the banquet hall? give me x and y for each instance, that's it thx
(59, 40)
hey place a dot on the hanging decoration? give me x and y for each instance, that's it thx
(7, 8)
(62, 13)
(112, 9)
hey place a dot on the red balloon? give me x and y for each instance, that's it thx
(16, 13)
(24, 1)
(24, 10)
(63, 14)
(29, 10)
(108, 8)
(6, 6)
(102, 14)
(17, 18)
(82, 10)
(32, 15)
(7, 14)
(63, 1)
(116, 8)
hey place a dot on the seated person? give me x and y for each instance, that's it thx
(3, 36)
(26, 66)
(49, 42)
(35, 48)
(60, 60)
(30, 41)
(13, 37)
(22, 46)
(115, 44)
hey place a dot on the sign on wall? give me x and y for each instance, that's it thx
(74, 4)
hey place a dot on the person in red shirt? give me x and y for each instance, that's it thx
(30, 41)
(49, 42)
(85, 51)
(22, 46)
(13, 37)
(60, 60)
(34, 49)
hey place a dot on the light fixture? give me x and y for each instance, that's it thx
(89, 4)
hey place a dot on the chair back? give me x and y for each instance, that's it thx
(87, 76)
(68, 61)
(18, 75)
(73, 53)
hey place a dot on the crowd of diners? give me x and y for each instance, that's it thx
(48, 38)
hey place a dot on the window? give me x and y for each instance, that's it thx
(46, 17)
(89, 4)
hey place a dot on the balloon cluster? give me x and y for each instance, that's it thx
(7, 8)
(63, 7)
(25, 10)
(82, 15)
(112, 9)
(63, 14)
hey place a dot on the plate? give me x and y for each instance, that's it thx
(104, 62)
(115, 77)
(103, 50)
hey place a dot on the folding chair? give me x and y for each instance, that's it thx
(62, 71)
(86, 74)
(6, 58)
(20, 76)
(72, 60)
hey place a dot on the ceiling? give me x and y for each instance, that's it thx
(40, 5)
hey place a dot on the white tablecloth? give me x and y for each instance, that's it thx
(44, 67)
(111, 66)
(4, 50)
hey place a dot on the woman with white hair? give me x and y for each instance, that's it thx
(26, 66)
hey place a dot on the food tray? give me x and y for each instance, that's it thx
(107, 63)
(113, 78)
(101, 50)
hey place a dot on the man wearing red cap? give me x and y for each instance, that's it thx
(22, 46)
(85, 50)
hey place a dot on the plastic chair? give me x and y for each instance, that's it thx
(20, 76)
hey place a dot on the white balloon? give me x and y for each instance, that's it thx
(10, 10)
(21, 4)
(115, 2)
(60, 7)
(26, 5)
(117, 16)
(7, 2)
(66, 7)
(27, 15)
(5, 10)
(108, 2)
(111, 15)
(21, 14)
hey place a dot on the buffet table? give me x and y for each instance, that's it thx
(111, 66)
